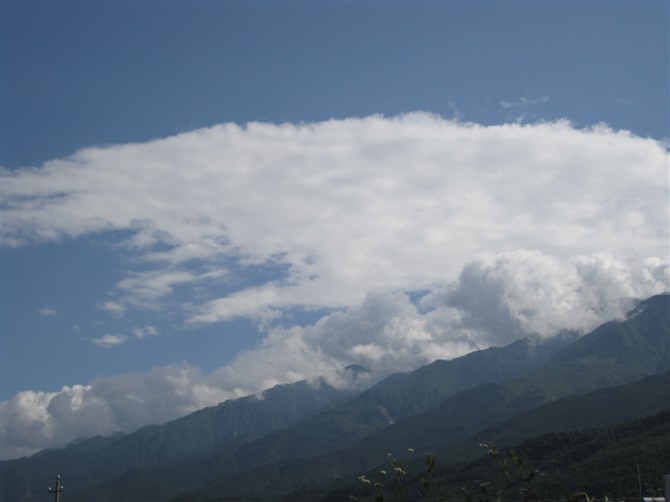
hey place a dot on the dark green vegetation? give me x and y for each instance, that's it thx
(311, 442)
(579, 456)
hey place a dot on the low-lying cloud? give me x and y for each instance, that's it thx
(497, 299)
(506, 230)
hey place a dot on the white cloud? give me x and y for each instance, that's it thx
(505, 296)
(496, 299)
(115, 308)
(346, 206)
(145, 331)
(110, 340)
(512, 229)
(147, 287)
(31, 421)
(47, 311)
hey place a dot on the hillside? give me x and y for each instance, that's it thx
(601, 462)
(597, 409)
(642, 398)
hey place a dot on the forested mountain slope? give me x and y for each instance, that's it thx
(603, 463)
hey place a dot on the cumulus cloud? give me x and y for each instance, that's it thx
(507, 230)
(497, 298)
(504, 296)
(31, 420)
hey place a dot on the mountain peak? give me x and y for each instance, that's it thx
(356, 369)
(356, 375)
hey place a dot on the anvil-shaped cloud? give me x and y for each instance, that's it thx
(508, 230)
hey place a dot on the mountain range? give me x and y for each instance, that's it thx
(309, 440)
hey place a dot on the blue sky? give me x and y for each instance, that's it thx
(158, 250)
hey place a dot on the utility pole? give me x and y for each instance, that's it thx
(56, 489)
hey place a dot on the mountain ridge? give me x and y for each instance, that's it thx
(483, 406)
